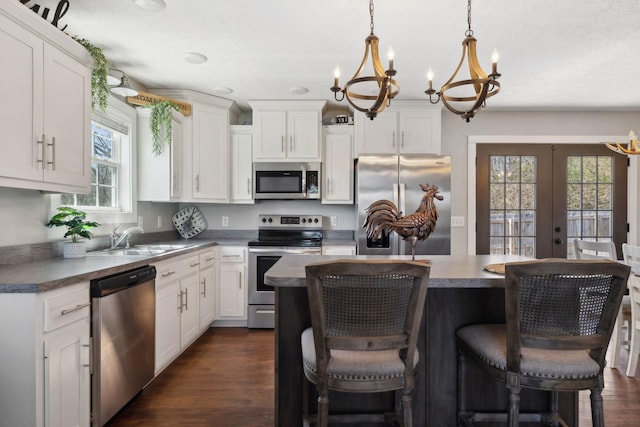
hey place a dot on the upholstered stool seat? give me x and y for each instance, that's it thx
(356, 370)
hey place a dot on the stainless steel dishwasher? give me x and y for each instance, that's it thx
(123, 337)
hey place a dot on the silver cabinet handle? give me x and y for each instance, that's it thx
(210, 258)
(76, 308)
(180, 302)
(393, 139)
(402, 139)
(89, 364)
(167, 274)
(198, 183)
(41, 160)
(53, 153)
(240, 281)
(248, 185)
(291, 146)
(282, 144)
(186, 299)
(195, 264)
(204, 287)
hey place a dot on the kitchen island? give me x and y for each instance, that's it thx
(460, 292)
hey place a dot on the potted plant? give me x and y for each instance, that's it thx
(99, 85)
(160, 121)
(77, 227)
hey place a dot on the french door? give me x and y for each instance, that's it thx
(534, 199)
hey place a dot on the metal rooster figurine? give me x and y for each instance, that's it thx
(383, 216)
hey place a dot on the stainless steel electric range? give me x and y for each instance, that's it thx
(278, 235)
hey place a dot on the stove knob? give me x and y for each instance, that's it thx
(264, 220)
(304, 220)
(315, 220)
(270, 220)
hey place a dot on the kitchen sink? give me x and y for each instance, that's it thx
(139, 250)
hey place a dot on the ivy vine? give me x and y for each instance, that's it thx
(160, 123)
(99, 85)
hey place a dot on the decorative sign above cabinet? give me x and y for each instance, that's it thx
(144, 99)
(61, 9)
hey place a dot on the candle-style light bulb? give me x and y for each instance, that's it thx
(494, 61)
(430, 77)
(336, 76)
(390, 56)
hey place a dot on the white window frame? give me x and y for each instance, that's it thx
(127, 188)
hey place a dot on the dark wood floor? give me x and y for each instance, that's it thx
(226, 379)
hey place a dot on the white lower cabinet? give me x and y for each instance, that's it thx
(177, 307)
(232, 284)
(207, 288)
(45, 358)
(338, 250)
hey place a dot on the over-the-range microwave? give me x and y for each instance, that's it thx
(286, 181)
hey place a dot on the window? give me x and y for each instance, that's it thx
(112, 195)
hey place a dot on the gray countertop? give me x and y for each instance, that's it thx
(41, 276)
(447, 271)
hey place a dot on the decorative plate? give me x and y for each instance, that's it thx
(495, 268)
(189, 222)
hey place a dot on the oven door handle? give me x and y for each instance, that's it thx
(271, 251)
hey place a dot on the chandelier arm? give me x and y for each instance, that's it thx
(475, 70)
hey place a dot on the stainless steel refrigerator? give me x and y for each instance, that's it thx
(398, 178)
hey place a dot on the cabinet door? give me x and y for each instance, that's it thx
(231, 300)
(177, 147)
(338, 175)
(67, 378)
(270, 135)
(207, 301)
(379, 135)
(303, 135)
(190, 317)
(67, 119)
(21, 89)
(419, 132)
(241, 168)
(167, 324)
(210, 155)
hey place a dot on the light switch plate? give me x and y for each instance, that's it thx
(457, 221)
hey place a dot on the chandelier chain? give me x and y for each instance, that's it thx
(371, 14)
(469, 30)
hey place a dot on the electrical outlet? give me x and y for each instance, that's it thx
(159, 222)
(225, 221)
(334, 221)
(457, 221)
(140, 222)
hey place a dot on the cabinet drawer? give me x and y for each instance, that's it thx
(174, 269)
(64, 308)
(207, 259)
(232, 254)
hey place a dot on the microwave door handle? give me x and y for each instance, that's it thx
(304, 182)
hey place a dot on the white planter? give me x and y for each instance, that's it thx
(74, 250)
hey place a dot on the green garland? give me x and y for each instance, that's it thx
(99, 85)
(160, 120)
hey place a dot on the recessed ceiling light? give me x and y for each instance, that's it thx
(195, 58)
(221, 90)
(151, 5)
(298, 90)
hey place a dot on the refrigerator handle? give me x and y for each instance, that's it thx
(401, 206)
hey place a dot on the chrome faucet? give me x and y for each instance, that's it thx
(116, 239)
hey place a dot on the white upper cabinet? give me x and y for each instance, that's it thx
(287, 130)
(241, 165)
(205, 168)
(159, 177)
(337, 186)
(46, 114)
(407, 127)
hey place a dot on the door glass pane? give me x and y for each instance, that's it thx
(512, 189)
(589, 199)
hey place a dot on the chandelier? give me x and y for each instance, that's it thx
(632, 149)
(465, 97)
(379, 88)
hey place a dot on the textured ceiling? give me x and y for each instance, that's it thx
(578, 54)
